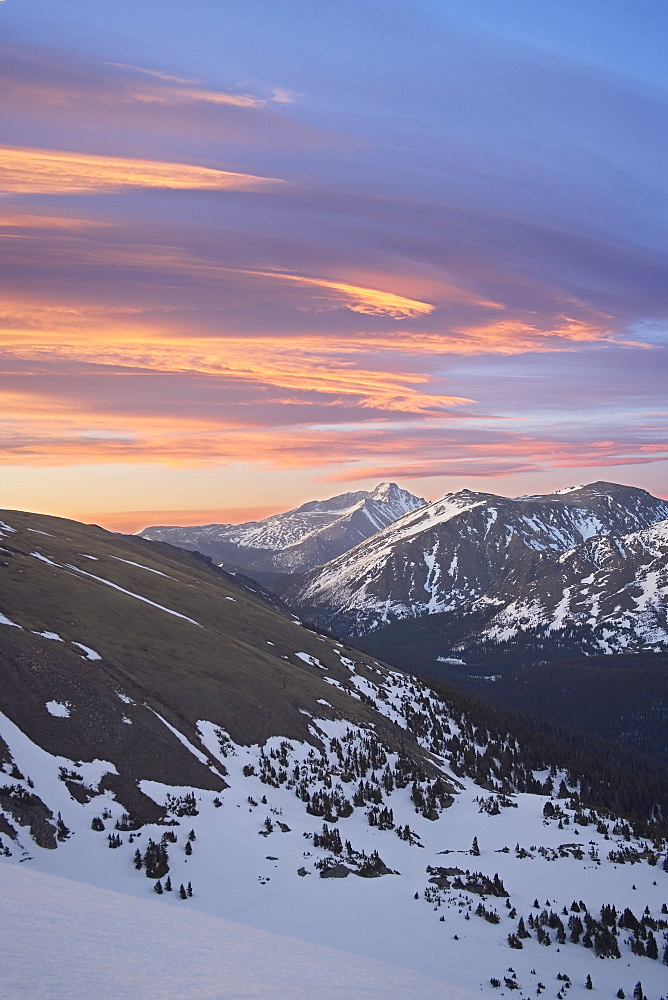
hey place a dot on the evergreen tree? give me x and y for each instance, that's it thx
(188, 848)
(158, 888)
(156, 860)
(182, 892)
(475, 850)
(138, 860)
(522, 932)
(588, 983)
(190, 889)
(168, 884)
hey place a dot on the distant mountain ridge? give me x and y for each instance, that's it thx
(475, 567)
(299, 539)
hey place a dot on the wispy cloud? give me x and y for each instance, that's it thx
(50, 171)
(29, 220)
(33, 73)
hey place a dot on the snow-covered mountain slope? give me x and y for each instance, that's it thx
(612, 590)
(472, 557)
(168, 736)
(298, 539)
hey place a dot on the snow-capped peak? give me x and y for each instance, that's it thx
(298, 539)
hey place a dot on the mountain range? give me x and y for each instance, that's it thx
(583, 570)
(298, 539)
(170, 734)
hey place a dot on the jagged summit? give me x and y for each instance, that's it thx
(296, 540)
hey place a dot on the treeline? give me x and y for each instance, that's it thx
(609, 776)
(622, 697)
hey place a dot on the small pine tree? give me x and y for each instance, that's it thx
(637, 991)
(190, 889)
(588, 983)
(168, 884)
(158, 888)
(621, 994)
(62, 831)
(188, 848)
(138, 859)
(191, 835)
(182, 892)
(475, 850)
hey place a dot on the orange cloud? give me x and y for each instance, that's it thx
(26, 220)
(371, 301)
(123, 338)
(40, 431)
(514, 336)
(49, 171)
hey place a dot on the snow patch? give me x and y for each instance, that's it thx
(312, 661)
(90, 653)
(137, 597)
(6, 621)
(49, 562)
(183, 739)
(60, 709)
(149, 569)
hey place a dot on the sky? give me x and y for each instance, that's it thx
(257, 252)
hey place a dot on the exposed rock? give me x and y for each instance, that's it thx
(335, 871)
(29, 810)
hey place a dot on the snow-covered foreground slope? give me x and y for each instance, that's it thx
(298, 539)
(65, 940)
(473, 567)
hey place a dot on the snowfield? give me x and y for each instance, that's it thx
(72, 941)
